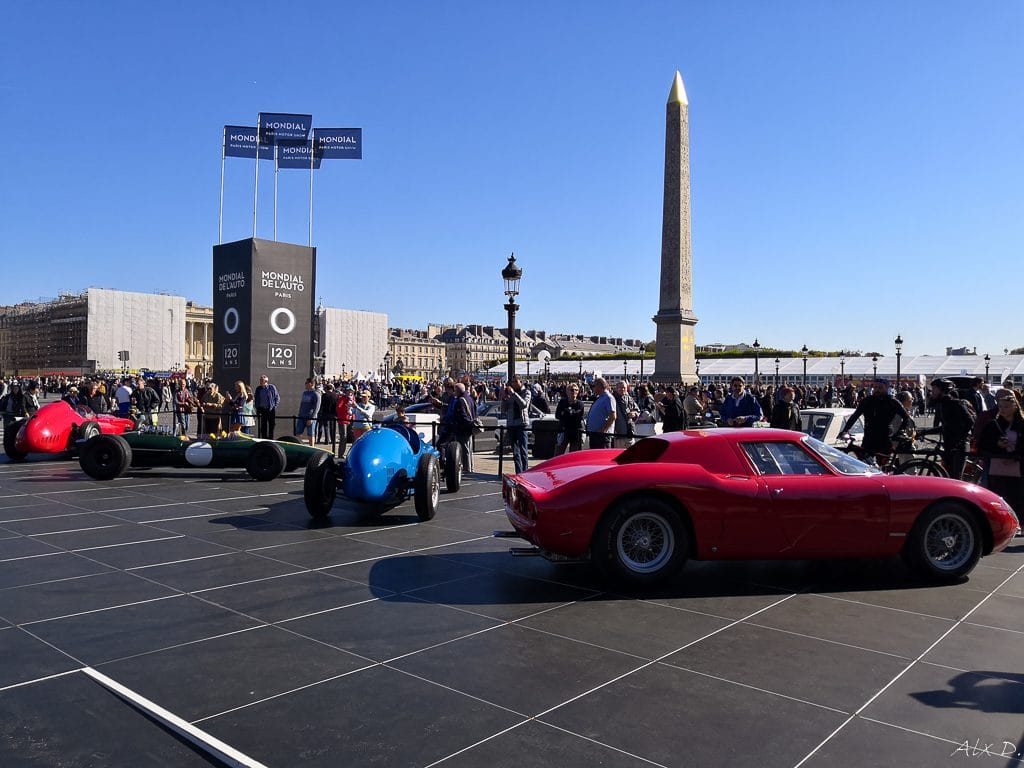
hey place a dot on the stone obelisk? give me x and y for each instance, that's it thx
(674, 352)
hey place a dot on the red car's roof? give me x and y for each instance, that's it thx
(713, 449)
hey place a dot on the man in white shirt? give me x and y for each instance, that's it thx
(123, 395)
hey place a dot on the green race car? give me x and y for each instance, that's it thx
(105, 457)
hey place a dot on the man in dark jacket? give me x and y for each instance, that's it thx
(881, 413)
(673, 419)
(147, 401)
(955, 422)
(569, 413)
(266, 399)
(785, 414)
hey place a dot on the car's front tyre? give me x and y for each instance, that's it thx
(320, 485)
(105, 457)
(640, 541)
(945, 543)
(11, 440)
(426, 487)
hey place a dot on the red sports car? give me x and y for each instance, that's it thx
(56, 426)
(757, 494)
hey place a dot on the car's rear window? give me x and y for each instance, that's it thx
(643, 451)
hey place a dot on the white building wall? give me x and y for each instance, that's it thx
(354, 339)
(150, 326)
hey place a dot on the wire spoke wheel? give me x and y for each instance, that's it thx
(645, 542)
(949, 542)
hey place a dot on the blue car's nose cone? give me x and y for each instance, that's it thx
(375, 468)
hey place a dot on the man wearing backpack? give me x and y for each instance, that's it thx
(954, 419)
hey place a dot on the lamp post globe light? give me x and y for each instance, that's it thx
(803, 353)
(899, 354)
(987, 359)
(757, 372)
(512, 274)
(776, 373)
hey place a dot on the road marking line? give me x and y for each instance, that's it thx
(200, 738)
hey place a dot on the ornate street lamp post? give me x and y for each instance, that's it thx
(899, 354)
(697, 363)
(842, 367)
(387, 366)
(624, 370)
(803, 353)
(512, 274)
(757, 372)
(776, 373)
(874, 368)
(581, 368)
(987, 359)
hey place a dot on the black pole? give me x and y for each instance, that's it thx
(511, 307)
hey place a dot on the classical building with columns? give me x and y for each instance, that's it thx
(198, 339)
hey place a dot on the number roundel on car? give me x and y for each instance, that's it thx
(199, 454)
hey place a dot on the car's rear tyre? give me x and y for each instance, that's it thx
(923, 467)
(105, 457)
(320, 485)
(10, 440)
(88, 430)
(452, 466)
(945, 542)
(426, 486)
(288, 439)
(640, 541)
(265, 462)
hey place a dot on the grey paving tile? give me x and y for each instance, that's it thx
(1000, 611)
(980, 649)
(23, 546)
(384, 629)
(820, 672)
(120, 632)
(27, 658)
(61, 598)
(73, 721)
(213, 676)
(632, 626)
(402, 573)
(679, 718)
(33, 570)
(536, 745)
(866, 626)
(215, 571)
(54, 519)
(508, 666)
(375, 717)
(164, 551)
(954, 706)
(287, 597)
(327, 552)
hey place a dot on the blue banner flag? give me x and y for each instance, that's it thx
(295, 154)
(240, 141)
(339, 143)
(275, 126)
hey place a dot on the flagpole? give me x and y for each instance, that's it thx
(275, 190)
(256, 186)
(312, 152)
(223, 154)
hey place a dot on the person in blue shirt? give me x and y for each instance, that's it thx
(601, 417)
(309, 409)
(741, 408)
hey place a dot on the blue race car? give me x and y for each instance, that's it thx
(383, 468)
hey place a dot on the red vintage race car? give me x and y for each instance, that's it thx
(56, 426)
(757, 494)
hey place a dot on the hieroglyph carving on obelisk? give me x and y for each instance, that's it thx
(674, 351)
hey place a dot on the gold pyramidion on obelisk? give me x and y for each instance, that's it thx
(674, 351)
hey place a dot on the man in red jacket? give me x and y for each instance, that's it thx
(344, 412)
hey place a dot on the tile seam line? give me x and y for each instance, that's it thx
(906, 669)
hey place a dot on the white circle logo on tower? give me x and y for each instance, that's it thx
(231, 320)
(288, 324)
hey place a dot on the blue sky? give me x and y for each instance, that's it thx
(856, 167)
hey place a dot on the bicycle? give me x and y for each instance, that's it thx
(927, 462)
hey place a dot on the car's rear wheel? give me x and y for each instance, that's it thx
(265, 462)
(320, 485)
(924, 467)
(88, 430)
(452, 466)
(640, 541)
(105, 457)
(10, 440)
(426, 487)
(945, 543)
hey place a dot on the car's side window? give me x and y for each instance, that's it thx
(782, 459)
(762, 458)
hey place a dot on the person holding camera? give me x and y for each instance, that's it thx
(517, 408)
